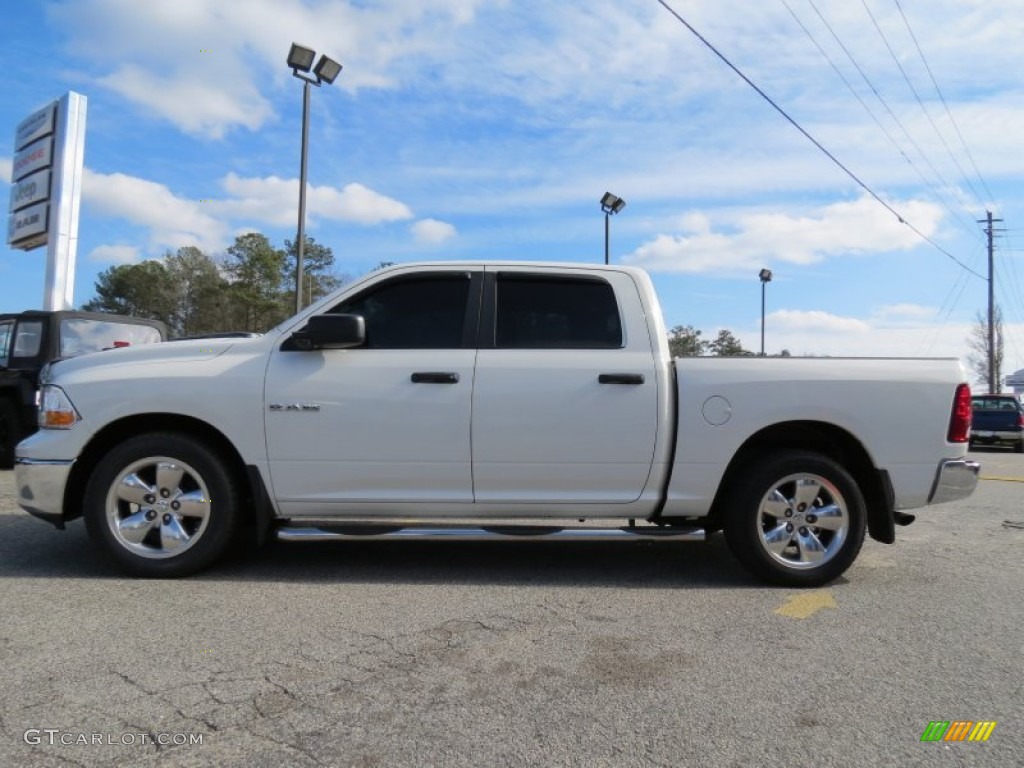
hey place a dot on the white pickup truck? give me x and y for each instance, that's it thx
(479, 400)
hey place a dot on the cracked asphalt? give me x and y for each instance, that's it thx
(537, 654)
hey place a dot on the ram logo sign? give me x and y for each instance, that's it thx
(958, 730)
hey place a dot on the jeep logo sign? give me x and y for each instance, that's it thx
(30, 190)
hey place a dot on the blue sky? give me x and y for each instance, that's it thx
(490, 128)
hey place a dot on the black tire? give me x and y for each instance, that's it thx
(774, 521)
(10, 432)
(1019, 447)
(162, 504)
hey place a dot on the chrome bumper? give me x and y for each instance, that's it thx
(989, 434)
(955, 479)
(41, 484)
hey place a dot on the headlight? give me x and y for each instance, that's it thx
(56, 410)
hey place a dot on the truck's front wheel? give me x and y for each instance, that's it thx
(161, 504)
(796, 519)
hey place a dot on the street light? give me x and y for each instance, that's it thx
(300, 59)
(610, 204)
(766, 277)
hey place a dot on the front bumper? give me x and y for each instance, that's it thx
(41, 484)
(955, 479)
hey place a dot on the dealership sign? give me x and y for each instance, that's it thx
(32, 158)
(30, 190)
(28, 223)
(35, 126)
(46, 185)
(30, 179)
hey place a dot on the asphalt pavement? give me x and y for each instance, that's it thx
(535, 654)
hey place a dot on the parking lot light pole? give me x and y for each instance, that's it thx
(766, 277)
(300, 59)
(610, 204)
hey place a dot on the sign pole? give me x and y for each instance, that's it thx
(62, 244)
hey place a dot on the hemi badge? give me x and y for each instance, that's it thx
(294, 406)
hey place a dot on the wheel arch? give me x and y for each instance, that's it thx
(255, 506)
(828, 440)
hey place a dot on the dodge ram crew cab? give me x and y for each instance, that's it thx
(481, 400)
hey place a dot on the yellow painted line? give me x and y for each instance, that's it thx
(807, 604)
(1003, 479)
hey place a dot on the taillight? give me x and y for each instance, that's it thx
(960, 419)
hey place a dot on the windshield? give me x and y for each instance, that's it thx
(79, 336)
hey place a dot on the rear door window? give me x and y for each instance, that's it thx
(540, 312)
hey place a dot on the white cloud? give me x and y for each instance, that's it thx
(432, 231)
(201, 64)
(172, 221)
(869, 341)
(908, 311)
(746, 240)
(273, 200)
(354, 202)
(114, 254)
(199, 106)
(5, 169)
(796, 319)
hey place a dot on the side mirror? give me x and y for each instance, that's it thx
(331, 332)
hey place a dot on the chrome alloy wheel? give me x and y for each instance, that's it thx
(803, 521)
(158, 507)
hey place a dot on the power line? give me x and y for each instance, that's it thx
(813, 140)
(968, 226)
(878, 95)
(945, 105)
(917, 96)
(1011, 309)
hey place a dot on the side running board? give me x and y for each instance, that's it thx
(497, 533)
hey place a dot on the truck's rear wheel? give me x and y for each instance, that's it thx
(161, 504)
(796, 519)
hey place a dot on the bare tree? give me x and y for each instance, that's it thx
(978, 356)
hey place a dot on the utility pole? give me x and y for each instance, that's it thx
(988, 220)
